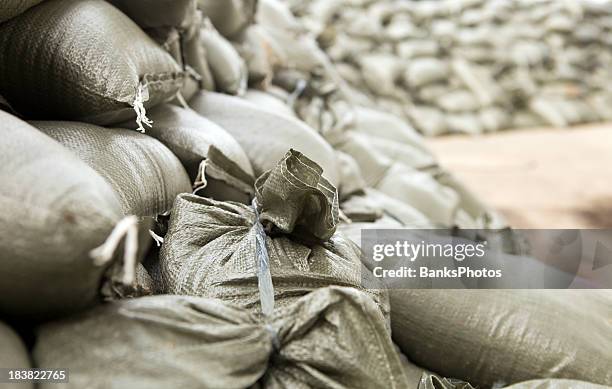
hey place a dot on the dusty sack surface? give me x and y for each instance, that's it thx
(189, 342)
(83, 61)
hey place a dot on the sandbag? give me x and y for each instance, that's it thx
(56, 210)
(418, 189)
(372, 163)
(90, 63)
(189, 342)
(269, 101)
(144, 174)
(13, 354)
(11, 8)
(230, 17)
(228, 69)
(351, 182)
(422, 71)
(214, 160)
(556, 384)
(217, 256)
(384, 125)
(157, 13)
(263, 135)
(381, 72)
(194, 56)
(508, 335)
(255, 49)
(398, 152)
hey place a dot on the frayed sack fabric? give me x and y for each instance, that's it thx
(190, 342)
(144, 173)
(506, 336)
(13, 354)
(84, 60)
(11, 8)
(264, 135)
(225, 172)
(230, 17)
(56, 211)
(298, 209)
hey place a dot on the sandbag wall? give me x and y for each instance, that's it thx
(184, 184)
(456, 66)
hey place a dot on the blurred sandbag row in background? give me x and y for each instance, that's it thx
(472, 66)
(183, 187)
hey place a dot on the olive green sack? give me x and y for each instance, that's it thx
(190, 342)
(145, 174)
(216, 163)
(508, 336)
(56, 209)
(13, 354)
(11, 8)
(216, 256)
(83, 60)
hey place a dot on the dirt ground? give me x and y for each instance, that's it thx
(538, 178)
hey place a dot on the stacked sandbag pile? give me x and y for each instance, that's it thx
(472, 66)
(183, 184)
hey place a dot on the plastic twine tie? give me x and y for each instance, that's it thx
(264, 277)
(126, 228)
(142, 95)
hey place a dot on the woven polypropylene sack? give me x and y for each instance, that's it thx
(196, 141)
(230, 17)
(82, 60)
(264, 135)
(157, 13)
(227, 67)
(506, 336)
(216, 256)
(190, 135)
(13, 354)
(420, 190)
(555, 384)
(189, 342)
(11, 8)
(144, 173)
(56, 209)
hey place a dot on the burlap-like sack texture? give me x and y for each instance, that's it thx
(13, 354)
(144, 173)
(11, 8)
(55, 209)
(331, 338)
(508, 336)
(209, 249)
(82, 60)
(265, 136)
